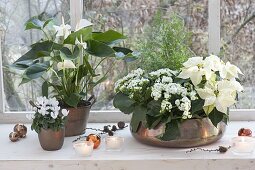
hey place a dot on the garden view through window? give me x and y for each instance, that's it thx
(139, 20)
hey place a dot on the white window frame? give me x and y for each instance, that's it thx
(114, 116)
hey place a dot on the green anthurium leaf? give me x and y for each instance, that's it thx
(66, 54)
(172, 131)
(139, 115)
(36, 70)
(34, 23)
(108, 37)
(215, 116)
(99, 49)
(24, 81)
(85, 34)
(38, 49)
(123, 103)
(45, 89)
(47, 22)
(123, 50)
(89, 67)
(72, 100)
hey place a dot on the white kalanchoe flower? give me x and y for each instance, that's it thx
(65, 64)
(64, 30)
(65, 112)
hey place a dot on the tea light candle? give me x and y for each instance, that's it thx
(243, 145)
(114, 143)
(83, 148)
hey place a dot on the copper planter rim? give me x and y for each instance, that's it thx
(194, 132)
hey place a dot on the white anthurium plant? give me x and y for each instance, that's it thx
(62, 59)
(47, 114)
(204, 87)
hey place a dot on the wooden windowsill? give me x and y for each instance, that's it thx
(27, 154)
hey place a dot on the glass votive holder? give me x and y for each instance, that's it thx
(83, 148)
(114, 143)
(243, 145)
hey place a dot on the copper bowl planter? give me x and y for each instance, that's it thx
(194, 132)
(77, 118)
(51, 140)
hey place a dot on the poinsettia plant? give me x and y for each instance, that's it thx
(62, 58)
(204, 87)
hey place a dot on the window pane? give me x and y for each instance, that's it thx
(238, 40)
(133, 18)
(15, 42)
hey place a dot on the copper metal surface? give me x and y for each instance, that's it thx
(51, 140)
(193, 132)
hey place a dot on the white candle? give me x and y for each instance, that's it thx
(83, 148)
(114, 143)
(243, 145)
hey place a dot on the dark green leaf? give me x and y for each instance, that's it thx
(99, 49)
(122, 50)
(72, 100)
(124, 103)
(24, 81)
(215, 116)
(84, 33)
(36, 70)
(152, 121)
(45, 89)
(172, 131)
(154, 108)
(108, 37)
(38, 49)
(66, 54)
(138, 116)
(197, 105)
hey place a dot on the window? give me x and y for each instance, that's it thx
(132, 18)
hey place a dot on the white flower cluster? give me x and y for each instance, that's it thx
(49, 106)
(132, 83)
(219, 92)
(165, 89)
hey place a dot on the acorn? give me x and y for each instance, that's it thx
(245, 132)
(121, 125)
(14, 136)
(110, 133)
(106, 129)
(21, 130)
(114, 128)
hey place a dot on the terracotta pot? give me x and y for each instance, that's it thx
(193, 133)
(77, 118)
(51, 140)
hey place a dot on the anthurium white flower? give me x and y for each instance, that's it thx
(221, 95)
(81, 43)
(65, 64)
(230, 71)
(82, 24)
(64, 30)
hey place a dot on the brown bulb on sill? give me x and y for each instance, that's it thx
(21, 130)
(95, 139)
(14, 136)
(245, 132)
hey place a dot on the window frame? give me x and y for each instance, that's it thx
(103, 116)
